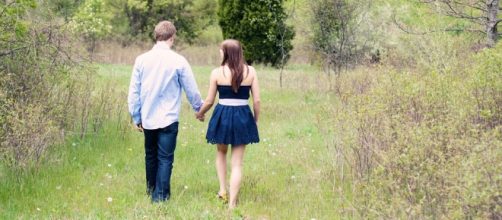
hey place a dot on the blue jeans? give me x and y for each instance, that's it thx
(159, 157)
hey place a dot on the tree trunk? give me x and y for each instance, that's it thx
(492, 7)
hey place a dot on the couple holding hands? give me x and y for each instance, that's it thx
(154, 101)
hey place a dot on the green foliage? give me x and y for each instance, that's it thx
(189, 17)
(91, 21)
(260, 26)
(43, 91)
(13, 28)
(339, 36)
(65, 8)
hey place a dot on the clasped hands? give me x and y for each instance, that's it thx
(199, 116)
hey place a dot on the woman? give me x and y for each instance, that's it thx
(232, 122)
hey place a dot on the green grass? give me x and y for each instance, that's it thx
(286, 175)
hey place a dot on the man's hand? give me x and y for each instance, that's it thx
(139, 127)
(200, 117)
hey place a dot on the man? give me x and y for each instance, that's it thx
(154, 101)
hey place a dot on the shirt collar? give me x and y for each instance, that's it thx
(161, 45)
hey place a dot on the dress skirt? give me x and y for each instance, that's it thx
(233, 125)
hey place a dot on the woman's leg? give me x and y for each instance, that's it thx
(236, 176)
(221, 167)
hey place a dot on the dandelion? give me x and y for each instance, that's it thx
(109, 199)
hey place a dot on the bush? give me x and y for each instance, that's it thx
(189, 17)
(45, 92)
(422, 145)
(260, 26)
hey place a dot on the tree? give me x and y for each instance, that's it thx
(484, 14)
(65, 8)
(260, 26)
(92, 22)
(335, 34)
(189, 17)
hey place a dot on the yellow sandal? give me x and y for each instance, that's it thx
(223, 197)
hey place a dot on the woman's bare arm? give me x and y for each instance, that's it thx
(255, 90)
(211, 94)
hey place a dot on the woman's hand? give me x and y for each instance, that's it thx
(199, 116)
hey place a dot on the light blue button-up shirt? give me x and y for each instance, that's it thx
(155, 90)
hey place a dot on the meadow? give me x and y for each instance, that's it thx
(102, 175)
(377, 141)
(387, 109)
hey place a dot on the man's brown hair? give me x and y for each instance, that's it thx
(164, 30)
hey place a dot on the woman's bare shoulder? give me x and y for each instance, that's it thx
(252, 71)
(215, 72)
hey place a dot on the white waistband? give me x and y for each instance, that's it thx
(233, 102)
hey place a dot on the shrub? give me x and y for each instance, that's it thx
(422, 145)
(45, 92)
(260, 26)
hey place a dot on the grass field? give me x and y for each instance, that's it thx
(286, 176)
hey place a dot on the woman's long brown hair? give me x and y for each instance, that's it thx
(234, 58)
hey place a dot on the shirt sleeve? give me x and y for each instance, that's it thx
(133, 98)
(188, 83)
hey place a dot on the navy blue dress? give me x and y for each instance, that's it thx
(232, 121)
